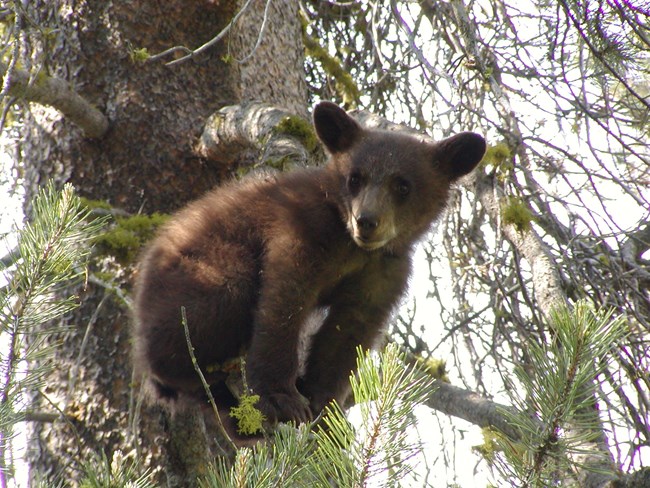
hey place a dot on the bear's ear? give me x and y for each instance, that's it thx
(335, 128)
(458, 155)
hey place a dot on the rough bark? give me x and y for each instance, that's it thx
(146, 161)
(267, 46)
(156, 113)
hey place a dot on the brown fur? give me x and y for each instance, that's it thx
(253, 262)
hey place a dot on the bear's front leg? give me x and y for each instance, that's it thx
(272, 369)
(333, 354)
(359, 311)
(272, 361)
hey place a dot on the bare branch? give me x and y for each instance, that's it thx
(41, 417)
(57, 93)
(470, 406)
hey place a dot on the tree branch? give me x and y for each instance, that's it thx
(46, 417)
(250, 131)
(545, 276)
(472, 407)
(55, 92)
(637, 243)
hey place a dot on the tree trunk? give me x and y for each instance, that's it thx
(146, 161)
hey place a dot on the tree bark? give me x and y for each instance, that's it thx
(146, 161)
(268, 49)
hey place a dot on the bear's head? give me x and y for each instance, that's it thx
(392, 185)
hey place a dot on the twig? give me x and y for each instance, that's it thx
(205, 384)
(68, 420)
(259, 34)
(204, 47)
(72, 381)
(126, 300)
(42, 417)
(135, 407)
(13, 59)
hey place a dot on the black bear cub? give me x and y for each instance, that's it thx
(254, 262)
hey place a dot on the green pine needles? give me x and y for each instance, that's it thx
(556, 415)
(377, 454)
(50, 257)
(334, 452)
(120, 472)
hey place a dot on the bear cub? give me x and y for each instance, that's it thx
(254, 262)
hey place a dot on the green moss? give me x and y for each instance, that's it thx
(249, 419)
(41, 78)
(139, 55)
(228, 58)
(490, 447)
(343, 81)
(93, 204)
(517, 213)
(436, 368)
(299, 128)
(126, 238)
(498, 156)
(281, 164)
(106, 276)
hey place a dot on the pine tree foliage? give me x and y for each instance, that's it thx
(374, 451)
(557, 391)
(51, 256)
(379, 450)
(282, 462)
(119, 473)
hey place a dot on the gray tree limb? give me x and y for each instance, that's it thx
(472, 407)
(57, 93)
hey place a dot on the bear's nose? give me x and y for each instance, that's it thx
(367, 223)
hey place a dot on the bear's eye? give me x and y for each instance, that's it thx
(402, 187)
(354, 182)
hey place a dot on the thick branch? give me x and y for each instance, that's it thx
(545, 276)
(56, 93)
(470, 406)
(251, 128)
